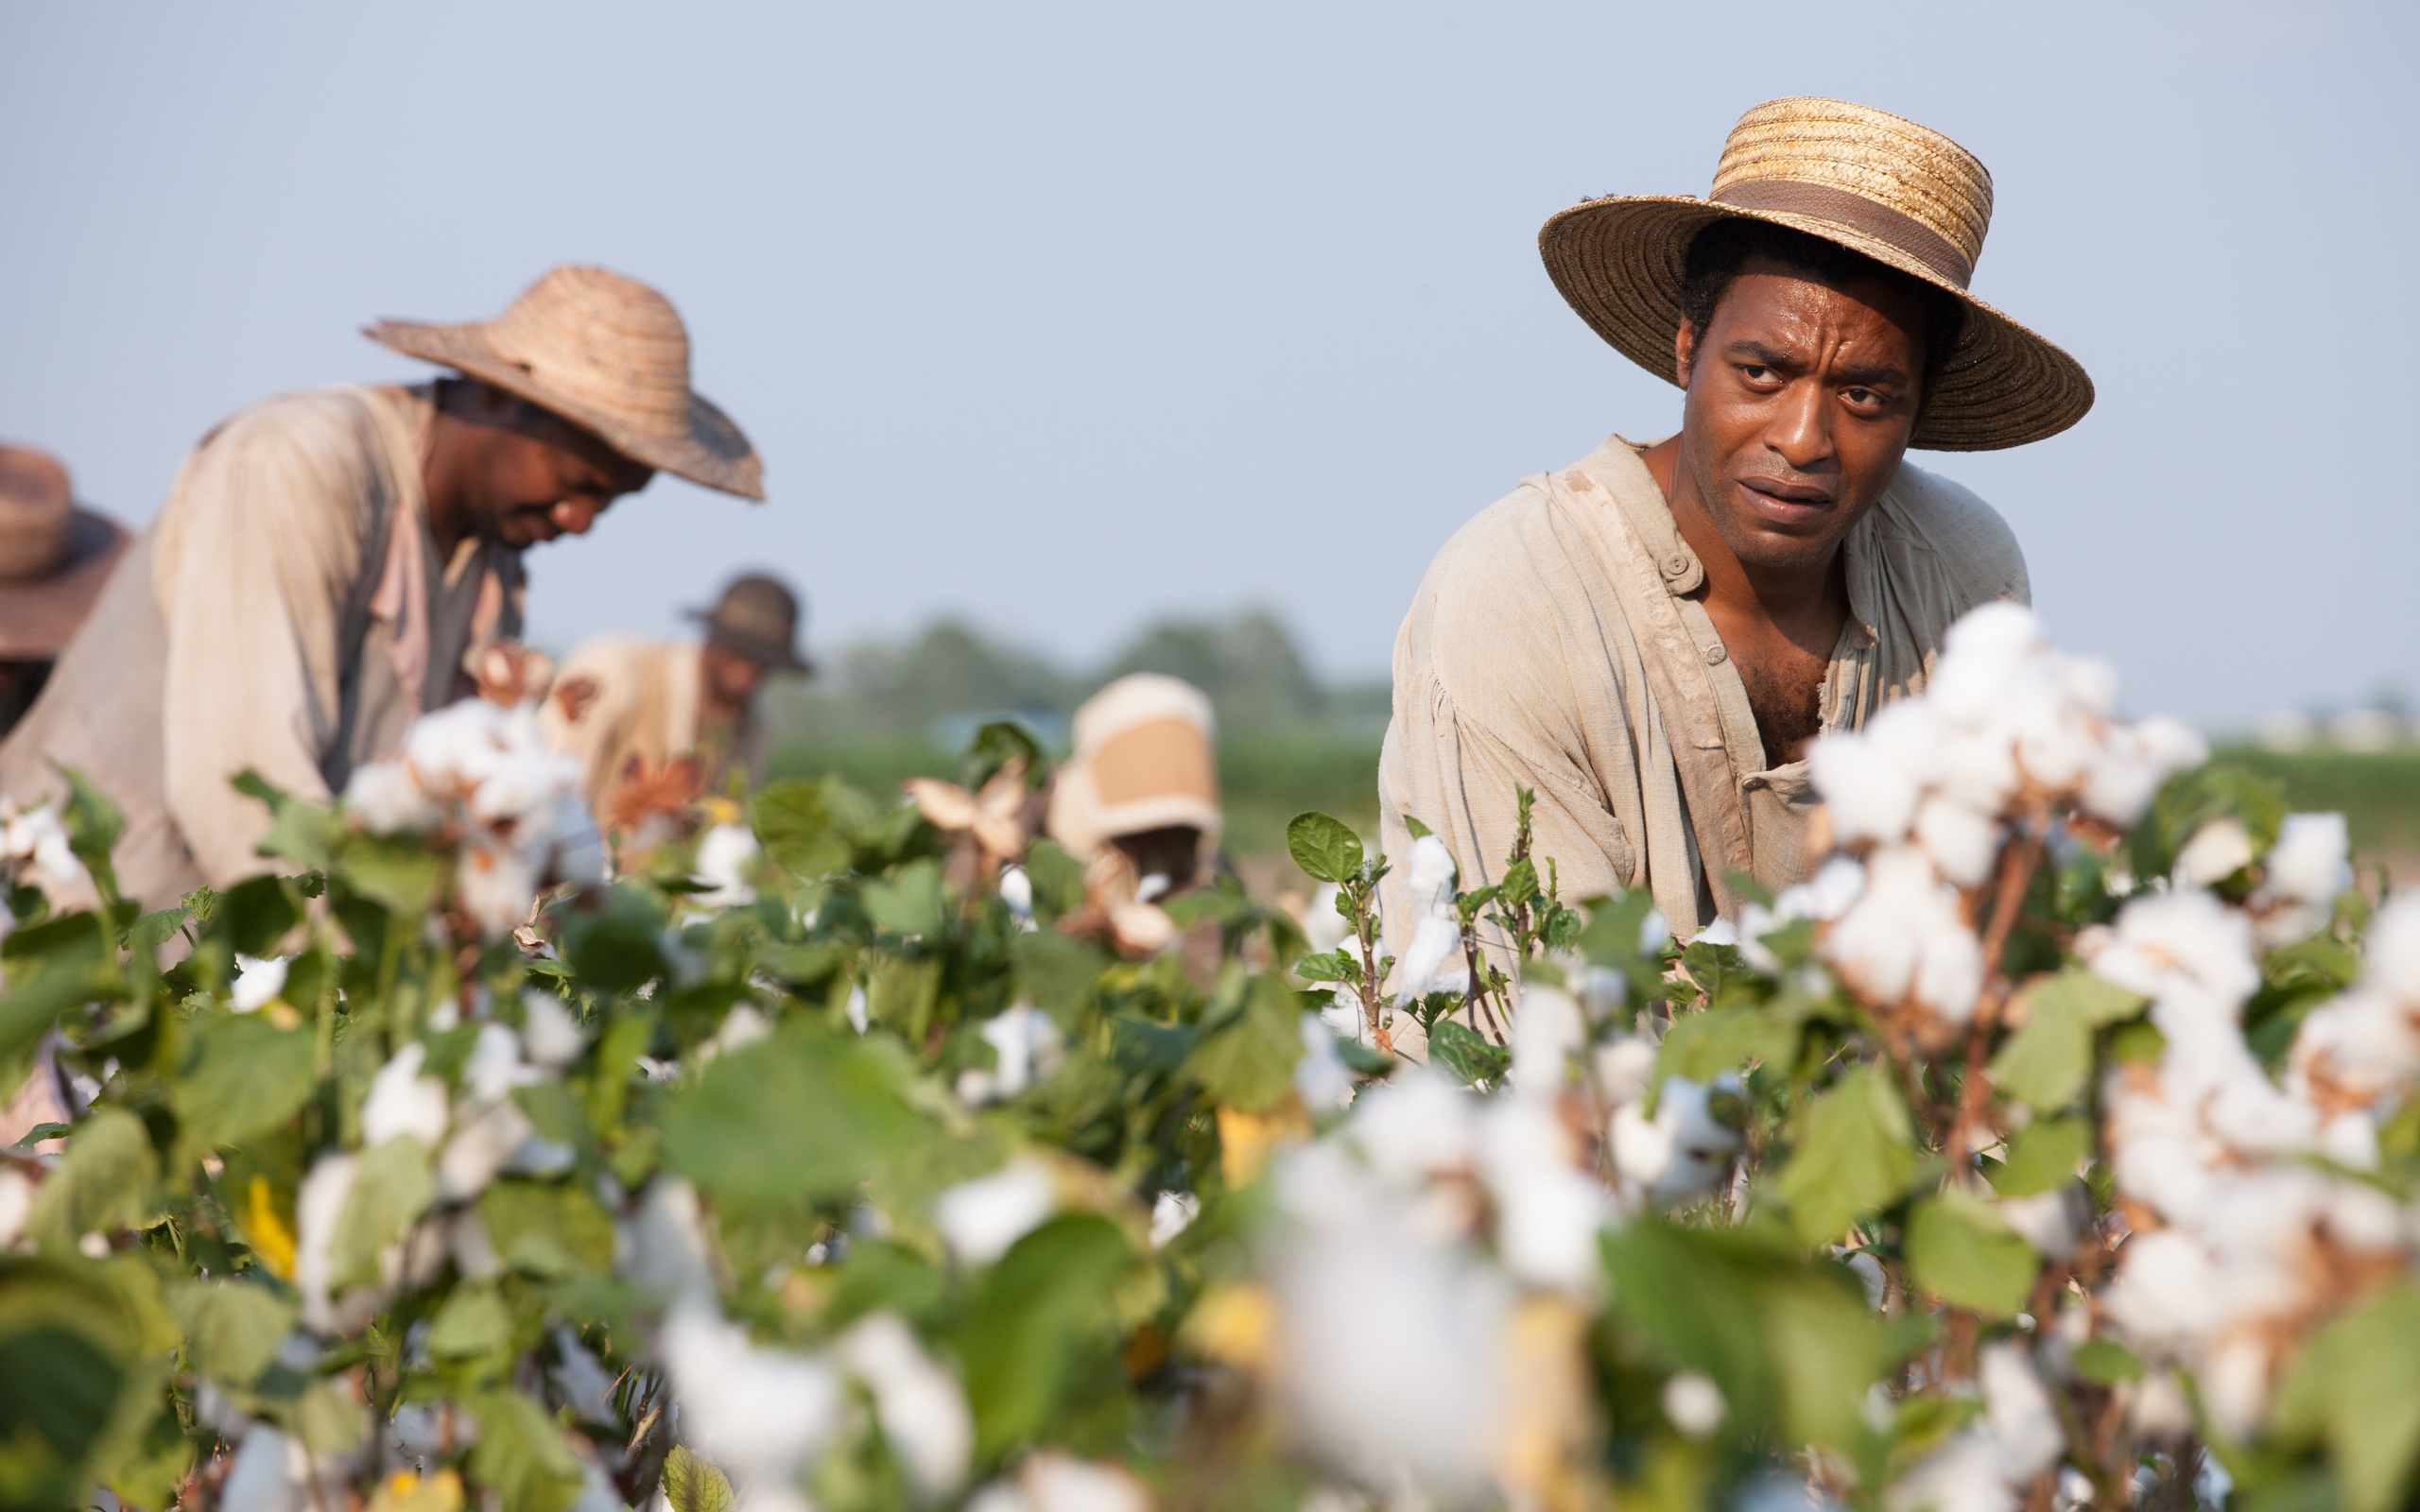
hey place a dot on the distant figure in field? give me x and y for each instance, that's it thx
(1142, 780)
(54, 558)
(630, 707)
(329, 565)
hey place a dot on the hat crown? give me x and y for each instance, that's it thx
(37, 508)
(1881, 174)
(757, 607)
(606, 342)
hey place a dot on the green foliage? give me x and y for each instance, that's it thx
(1961, 1251)
(691, 1484)
(2358, 1389)
(1324, 846)
(1854, 1151)
(1247, 1059)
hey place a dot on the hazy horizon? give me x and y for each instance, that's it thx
(1063, 320)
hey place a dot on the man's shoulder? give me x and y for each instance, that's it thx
(1950, 526)
(618, 652)
(340, 412)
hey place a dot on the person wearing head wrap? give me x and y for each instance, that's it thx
(1143, 782)
(628, 706)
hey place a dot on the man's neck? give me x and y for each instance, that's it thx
(446, 506)
(1793, 600)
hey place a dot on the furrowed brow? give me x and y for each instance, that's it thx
(1756, 352)
(1876, 375)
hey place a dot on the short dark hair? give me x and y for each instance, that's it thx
(1718, 253)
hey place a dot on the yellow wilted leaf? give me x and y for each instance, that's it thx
(407, 1492)
(1235, 1325)
(1548, 1452)
(265, 1231)
(1246, 1140)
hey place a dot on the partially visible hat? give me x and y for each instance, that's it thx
(1144, 759)
(756, 617)
(54, 558)
(606, 353)
(1902, 194)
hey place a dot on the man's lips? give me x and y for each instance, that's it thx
(1785, 503)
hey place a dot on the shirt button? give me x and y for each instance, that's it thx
(1676, 566)
(1714, 655)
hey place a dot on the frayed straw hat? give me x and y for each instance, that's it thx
(1144, 759)
(757, 617)
(54, 558)
(606, 353)
(1897, 192)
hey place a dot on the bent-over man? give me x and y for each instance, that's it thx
(1649, 638)
(628, 706)
(328, 565)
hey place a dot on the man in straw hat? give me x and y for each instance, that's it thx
(628, 706)
(328, 565)
(54, 558)
(1649, 638)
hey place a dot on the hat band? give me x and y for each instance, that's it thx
(1790, 196)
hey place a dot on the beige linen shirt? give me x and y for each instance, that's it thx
(1559, 643)
(619, 699)
(271, 618)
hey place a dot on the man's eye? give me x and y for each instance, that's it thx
(1754, 372)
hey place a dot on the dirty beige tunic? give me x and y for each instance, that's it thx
(269, 619)
(619, 699)
(1555, 644)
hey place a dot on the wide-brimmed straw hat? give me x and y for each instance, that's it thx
(757, 617)
(606, 353)
(54, 558)
(1899, 193)
(1145, 759)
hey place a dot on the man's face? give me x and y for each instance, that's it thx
(537, 477)
(733, 676)
(1801, 401)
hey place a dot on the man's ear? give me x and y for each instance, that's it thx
(1685, 349)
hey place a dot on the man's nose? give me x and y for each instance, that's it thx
(573, 516)
(1801, 430)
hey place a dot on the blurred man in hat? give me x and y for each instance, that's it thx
(630, 707)
(54, 559)
(1143, 782)
(1649, 638)
(328, 566)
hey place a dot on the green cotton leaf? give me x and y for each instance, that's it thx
(909, 901)
(68, 1371)
(105, 1181)
(2105, 1362)
(2043, 1156)
(231, 1328)
(2046, 1063)
(693, 1484)
(2357, 1387)
(257, 914)
(2191, 800)
(93, 822)
(1325, 847)
(793, 822)
(242, 1076)
(2097, 1001)
(616, 949)
(1518, 885)
(1057, 880)
(551, 1228)
(391, 1187)
(804, 1115)
(1418, 830)
(1701, 1046)
(1042, 1317)
(1826, 1350)
(1329, 966)
(327, 1419)
(1466, 1052)
(520, 1455)
(1962, 1252)
(474, 1322)
(1249, 1063)
(396, 872)
(49, 968)
(1852, 1151)
(1057, 972)
(304, 833)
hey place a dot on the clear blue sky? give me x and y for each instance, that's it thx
(1060, 317)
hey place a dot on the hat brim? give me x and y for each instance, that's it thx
(764, 653)
(39, 618)
(713, 452)
(1618, 262)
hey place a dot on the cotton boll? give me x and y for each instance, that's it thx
(495, 883)
(2218, 851)
(1413, 1126)
(920, 1405)
(1435, 942)
(2351, 1139)
(1055, 1482)
(2047, 1220)
(1549, 1210)
(318, 1204)
(16, 1204)
(1547, 1028)
(2180, 940)
(2091, 683)
(1961, 842)
(2121, 783)
(1027, 1044)
(384, 798)
(270, 1472)
(663, 1246)
(456, 748)
(1624, 1064)
(523, 786)
(257, 982)
(1870, 796)
(2175, 747)
(1172, 1213)
(1702, 1144)
(2310, 860)
(1904, 938)
(2392, 953)
(495, 1067)
(1642, 1147)
(1693, 1404)
(479, 1150)
(2019, 1412)
(724, 853)
(401, 1101)
(1994, 631)
(1321, 1077)
(1721, 932)
(2160, 1410)
(1834, 887)
(1429, 876)
(1323, 926)
(1978, 768)
(759, 1413)
(981, 1219)
(1964, 1475)
(2166, 1296)
(553, 1036)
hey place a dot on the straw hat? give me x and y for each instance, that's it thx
(1143, 760)
(54, 556)
(756, 617)
(1899, 193)
(607, 352)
